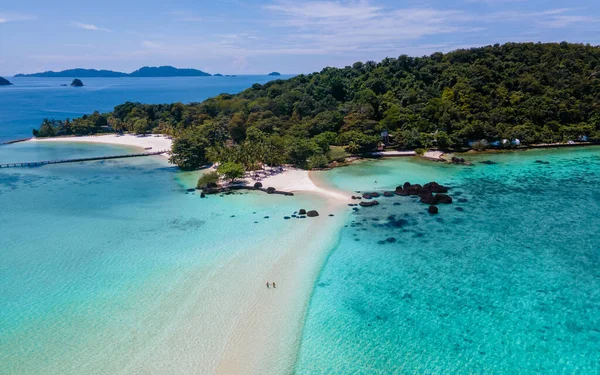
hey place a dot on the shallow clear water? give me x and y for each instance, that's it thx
(510, 283)
(99, 260)
(25, 104)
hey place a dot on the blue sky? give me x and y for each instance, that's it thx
(249, 36)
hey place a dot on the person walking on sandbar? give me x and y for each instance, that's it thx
(269, 285)
(274, 284)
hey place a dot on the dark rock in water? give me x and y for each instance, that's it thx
(369, 204)
(266, 217)
(202, 195)
(331, 215)
(413, 189)
(287, 217)
(390, 240)
(432, 210)
(375, 195)
(397, 204)
(462, 200)
(355, 208)
(406, 185)
(542, 162)
(402, 192)
(459, 209)
(398, 223)
(428, 199)
(4, 82)
(388, 194)
(382, 242)
(258, 185)
(302, 212)
(443, 198)
(434, 187)
(232, 216)
(367, 196)
(488, 162)
(312, 213)
(190, 190)
(77, 83)
(256, 222)
(271, 190)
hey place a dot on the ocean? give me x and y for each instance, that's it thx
(504, 280)
(25, 104)
(113, 267)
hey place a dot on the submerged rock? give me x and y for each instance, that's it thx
(312, 213)
(388, 194)
(432, 210)
(271, 190)
(443, 198)
(302, 212)
(258, 185)
(369, 204)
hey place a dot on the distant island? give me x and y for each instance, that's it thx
(77, 83)
(4, 82)
(274, 74)
(146, 71)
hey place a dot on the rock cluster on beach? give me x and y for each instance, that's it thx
(213, 188)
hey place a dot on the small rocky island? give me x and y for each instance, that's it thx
(4, 82)
(77, 83)
(274, 74)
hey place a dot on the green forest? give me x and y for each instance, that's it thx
(534, 92)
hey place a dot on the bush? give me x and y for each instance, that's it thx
(337, 154)
(231, 170)
(421, 151)
(209, 179)
(317, 161)
(480, 145)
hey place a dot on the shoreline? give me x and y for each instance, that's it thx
(154, 142)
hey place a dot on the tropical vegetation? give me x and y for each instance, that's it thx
(531, 92)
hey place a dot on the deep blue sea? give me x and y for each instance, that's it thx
(25, 104)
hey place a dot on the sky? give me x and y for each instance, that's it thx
(257, 37)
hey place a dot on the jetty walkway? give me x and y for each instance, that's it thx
(62, 161)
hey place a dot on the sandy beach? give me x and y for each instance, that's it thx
(251, 330)
(156, 142)
(298, 180)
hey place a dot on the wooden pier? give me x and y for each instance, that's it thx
(46, 162)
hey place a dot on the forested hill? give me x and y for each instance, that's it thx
(532, 92)
(161, 71)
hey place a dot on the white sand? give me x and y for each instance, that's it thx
(298, 180)
(434, 155)
(235, 325)
(160, 143)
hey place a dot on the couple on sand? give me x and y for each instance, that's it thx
(269, 284)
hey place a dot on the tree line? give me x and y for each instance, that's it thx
(534, 92)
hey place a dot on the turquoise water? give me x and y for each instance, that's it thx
(100, 259)
(505, 280)
(25, 104)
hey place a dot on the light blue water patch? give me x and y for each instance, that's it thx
(42, 151)
(505, 280)
(24, 105)
(87, 250)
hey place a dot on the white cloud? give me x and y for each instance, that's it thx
(88, 26)
(9, 17)
(360, 26)
(150, 44)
